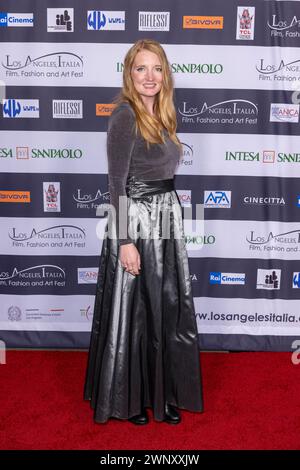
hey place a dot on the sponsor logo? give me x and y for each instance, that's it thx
(281, 28)
(63, 236)
(105, 20)
(197, 68)
(217, 199)
(87, 275)
(14, 313)
(154, 21)
(264, 201)
(242, 156)
(282, 72)
(188, 68)
(67, 109)
(278, 242)
(60, 20)
(44, 275)
(227, 278)
(51, 194)
(24, 153)
(16, 19)
(87, 313)
(236, 111)
(104, 109)
(203, 22)
(284, 112)
(268, 279)
(245, 23)
(55, 64)
(296, 281)
(14, 196)
(200, 240)
(268, 156)
(15, 108)
(187, 156)
(89, 201)
(185, 197)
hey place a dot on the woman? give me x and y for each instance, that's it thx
(144, 351)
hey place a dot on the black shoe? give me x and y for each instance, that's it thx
(140, 419)
(172, 416)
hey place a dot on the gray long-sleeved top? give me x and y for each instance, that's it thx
(128, 155)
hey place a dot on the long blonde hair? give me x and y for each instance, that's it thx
(151, 127)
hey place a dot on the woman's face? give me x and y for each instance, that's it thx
(146, 74)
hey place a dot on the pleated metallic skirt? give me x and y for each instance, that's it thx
(144, 348)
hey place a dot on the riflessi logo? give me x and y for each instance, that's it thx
(227, 278)
(245, 23)
(284, 112)
(87, 275)
(268, 279)
(15, 108)
(8, 20)
(51, 193)
(60, 20)
(217, 199)
(105, 20)
(203, 22)
(185, 197)
(154, 21)
(67, 109)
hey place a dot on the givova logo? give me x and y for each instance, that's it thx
(217, 199)
(16, 19)
(105, 20)
(15, 108)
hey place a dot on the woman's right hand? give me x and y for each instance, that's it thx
(130, 258)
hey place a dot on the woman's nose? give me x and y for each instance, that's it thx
(149, 74)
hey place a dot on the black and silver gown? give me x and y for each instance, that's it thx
(143, 348)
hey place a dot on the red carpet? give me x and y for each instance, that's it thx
(251, 401)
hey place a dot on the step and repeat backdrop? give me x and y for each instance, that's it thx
(236, 68)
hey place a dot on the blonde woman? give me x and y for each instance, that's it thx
(144, 351)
